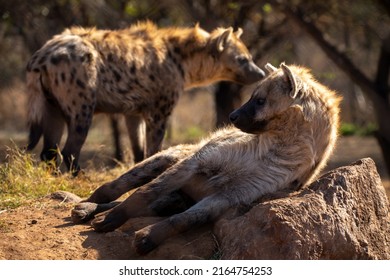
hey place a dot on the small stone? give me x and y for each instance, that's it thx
(65, 196)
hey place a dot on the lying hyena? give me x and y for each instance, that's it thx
(282, 138)
(139, 72)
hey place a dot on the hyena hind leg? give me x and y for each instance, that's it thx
(53, 125)
(173, 203)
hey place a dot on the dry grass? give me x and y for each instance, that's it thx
(23, 179)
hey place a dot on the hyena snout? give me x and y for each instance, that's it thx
(234, 116)
(250, 74)
(240, 119)
(244, 119)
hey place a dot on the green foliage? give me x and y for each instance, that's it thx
(348, 129)
(131, 10)
(194, 132)
(180, 135)
(233, 6)
(267, 8)
(327, 75)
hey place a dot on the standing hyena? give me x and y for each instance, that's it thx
(282, 138)
(139, 71)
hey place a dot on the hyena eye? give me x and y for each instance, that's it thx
(242, 60)
(260, 101)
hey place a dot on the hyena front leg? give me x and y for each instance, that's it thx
(139, 175)
(114, 121)
(155, 132)
(142, 201)
(206, 210)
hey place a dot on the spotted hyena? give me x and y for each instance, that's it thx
(281, 139)
(140, 72)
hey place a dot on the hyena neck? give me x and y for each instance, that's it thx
(322, 111)
(201, 70)
(189, 49)
(319, 104)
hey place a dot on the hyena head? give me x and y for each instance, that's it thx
(275, 94)
(234, 57)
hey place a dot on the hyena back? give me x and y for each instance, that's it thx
(139, 72)
(281, 139)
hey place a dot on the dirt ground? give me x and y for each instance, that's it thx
(43, 230)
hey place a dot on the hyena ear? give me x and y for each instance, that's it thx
(308, 107)
(294, 81)
(224, 38)
(238, 33)
(270, 68)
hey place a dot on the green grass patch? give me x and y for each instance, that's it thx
(194, 132)
(190, 135)
(23, 179)
(348, 129)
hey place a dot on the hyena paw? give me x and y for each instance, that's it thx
(109, 222)
(143, 243)
(83, 212)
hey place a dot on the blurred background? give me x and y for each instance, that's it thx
(345, 43)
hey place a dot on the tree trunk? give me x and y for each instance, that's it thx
(227, 98)
(383, 110)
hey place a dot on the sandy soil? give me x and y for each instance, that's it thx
(43, 230)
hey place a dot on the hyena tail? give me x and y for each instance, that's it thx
(36, 108)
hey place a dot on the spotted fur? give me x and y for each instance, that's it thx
(139, 71)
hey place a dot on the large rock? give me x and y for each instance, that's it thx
(343, 215)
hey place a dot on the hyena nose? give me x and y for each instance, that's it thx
(234, 116)
(261, 73)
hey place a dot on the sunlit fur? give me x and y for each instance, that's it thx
(231, 167)
(138, 71)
